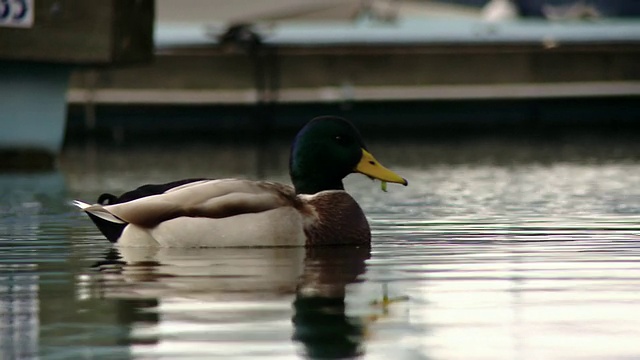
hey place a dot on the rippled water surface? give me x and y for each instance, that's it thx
(492, 252)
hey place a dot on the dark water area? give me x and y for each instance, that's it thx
(497, 249)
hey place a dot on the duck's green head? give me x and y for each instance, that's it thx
(326, 150)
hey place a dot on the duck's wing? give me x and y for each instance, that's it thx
(145, 190)
(206, 198)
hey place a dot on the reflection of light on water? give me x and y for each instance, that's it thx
(24, 200)
(220, 329)
(527, 299)
(19, 317)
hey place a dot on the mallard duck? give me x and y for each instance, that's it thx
(235, 212)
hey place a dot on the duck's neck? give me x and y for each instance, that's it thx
(312, 173)
(314, 186)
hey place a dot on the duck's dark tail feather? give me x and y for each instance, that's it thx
(110, 226)
(107, 199)
(112, 231)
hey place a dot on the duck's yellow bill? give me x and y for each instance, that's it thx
(369, 166)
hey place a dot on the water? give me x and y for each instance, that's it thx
(494, 251)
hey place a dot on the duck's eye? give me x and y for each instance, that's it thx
(342, 140)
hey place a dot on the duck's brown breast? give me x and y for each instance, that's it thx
(335, 218)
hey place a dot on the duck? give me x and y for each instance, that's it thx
(199, 212)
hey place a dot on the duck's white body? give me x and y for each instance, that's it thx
(277, 227)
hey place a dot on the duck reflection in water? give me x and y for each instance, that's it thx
(320, 321)
(315, 279)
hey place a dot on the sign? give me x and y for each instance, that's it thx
(16, 13)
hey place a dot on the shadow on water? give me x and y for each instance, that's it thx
(211, 288)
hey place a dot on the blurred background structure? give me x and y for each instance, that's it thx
(417, 66)
(390, 64)
(41, 43)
